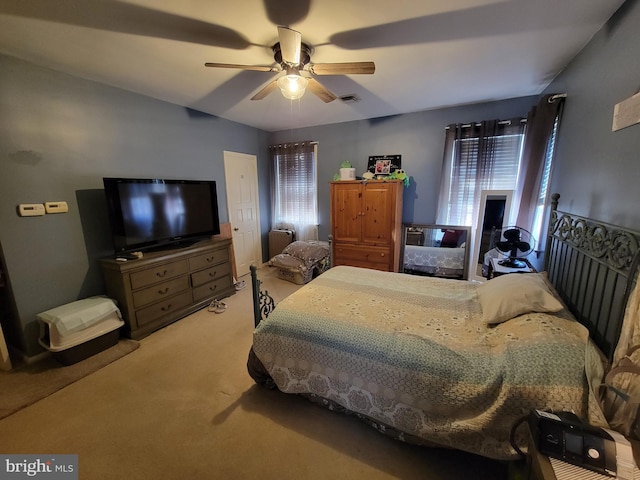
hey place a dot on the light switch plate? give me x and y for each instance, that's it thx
(30, 209)
(56, 207)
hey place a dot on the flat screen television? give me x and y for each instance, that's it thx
(154, 213)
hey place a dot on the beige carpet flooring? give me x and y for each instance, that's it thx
(182, 406)
(27, 384)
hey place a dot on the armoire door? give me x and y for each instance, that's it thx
(378, 219)
(346, 211)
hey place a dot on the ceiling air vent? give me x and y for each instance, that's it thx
(350, 98)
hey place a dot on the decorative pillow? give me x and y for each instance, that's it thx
(450, 238)
(509, 296)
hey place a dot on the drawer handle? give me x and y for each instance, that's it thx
(164, 273)
(213, 289)
(210, 259)
(163, 291)
(166, 308)
(213, 274)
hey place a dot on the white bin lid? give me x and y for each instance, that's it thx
(57, 343)
(78, 315)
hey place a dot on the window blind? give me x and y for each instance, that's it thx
(467, 179)
(539, 217)
(296, 188)
(295, 204)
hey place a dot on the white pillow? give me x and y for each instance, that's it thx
(507, 296)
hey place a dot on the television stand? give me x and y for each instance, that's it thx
(164, 286)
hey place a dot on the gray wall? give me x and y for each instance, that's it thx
(59, 136)
(597, 171)
(418, 137)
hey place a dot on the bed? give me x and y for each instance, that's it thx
(455, 364)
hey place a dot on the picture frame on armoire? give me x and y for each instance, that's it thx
(384, 164)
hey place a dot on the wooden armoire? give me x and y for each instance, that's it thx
(366, 223)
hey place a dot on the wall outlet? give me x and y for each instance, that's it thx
(56, 207)
(30, 209)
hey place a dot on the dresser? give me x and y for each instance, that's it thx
(163, 287)
(366, 223)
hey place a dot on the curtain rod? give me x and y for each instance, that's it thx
(553, 98)
(295, 144)
(501, 122)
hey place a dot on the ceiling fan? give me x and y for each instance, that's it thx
(294, 58)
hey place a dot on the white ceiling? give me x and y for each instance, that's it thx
(428, 54)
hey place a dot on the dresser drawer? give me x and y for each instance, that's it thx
(208, 259)
(166, 307)
(162, 290)
(157, 274)
(210, 289)
(204, 276)
(378, 258)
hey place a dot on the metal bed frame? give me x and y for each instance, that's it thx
(593, 267)
(263, 303)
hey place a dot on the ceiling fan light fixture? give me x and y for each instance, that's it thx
(292, 86)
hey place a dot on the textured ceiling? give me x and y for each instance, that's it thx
(428, 54)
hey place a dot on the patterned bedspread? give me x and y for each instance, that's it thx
(412, 353)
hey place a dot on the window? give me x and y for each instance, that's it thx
(478, 157)
(539, 215)
(295, 204)
(543, 123)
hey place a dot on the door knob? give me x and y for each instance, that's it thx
(235, 229)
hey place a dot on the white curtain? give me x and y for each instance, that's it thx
(295, 200)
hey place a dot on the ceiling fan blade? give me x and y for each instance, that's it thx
(124, 17)
(290, 42)
(320, 91)
(266, 90)
(347, 68)
(258, 68)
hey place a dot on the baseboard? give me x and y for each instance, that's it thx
(20, 358)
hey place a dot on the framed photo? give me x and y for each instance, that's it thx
(384, 164)
(383, 167)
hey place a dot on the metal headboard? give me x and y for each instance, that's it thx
(593, 266)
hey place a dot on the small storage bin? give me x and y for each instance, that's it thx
(79, 329)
